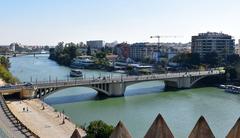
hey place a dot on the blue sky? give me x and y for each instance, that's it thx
(50, 21)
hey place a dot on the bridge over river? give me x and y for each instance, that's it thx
(110, 86)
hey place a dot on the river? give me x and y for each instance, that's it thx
(141, 104)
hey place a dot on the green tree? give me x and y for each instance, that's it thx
(5, 62)
(101, 55)
(233, 59)
(99, 129)
(71, 50)
(211, 59)
(195, 59)
(7, 76)
(63, 54)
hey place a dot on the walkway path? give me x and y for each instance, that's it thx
(45, 123)
(7, 127)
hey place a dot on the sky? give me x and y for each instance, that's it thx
(47, 22)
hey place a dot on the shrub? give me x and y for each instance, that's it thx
(99, 129)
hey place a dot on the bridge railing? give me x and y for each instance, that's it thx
(121, 78)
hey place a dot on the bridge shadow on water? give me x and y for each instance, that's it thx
(87, 94)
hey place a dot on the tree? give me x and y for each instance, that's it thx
(63, 54)
(211, 59)
(4, 62)
(99, 129)
(71, 50)
(7, 76)
(101, 55)
(233, 59)
(195, 59)
(187, 59)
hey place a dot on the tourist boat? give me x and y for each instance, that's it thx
(232, 89)
(82, 62)
(76, 73)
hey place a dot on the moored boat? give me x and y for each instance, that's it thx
(82, 62)
(232, 89)
(76, 73)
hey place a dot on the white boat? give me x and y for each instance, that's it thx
(76, 73)
(232, 89)
(82, 62)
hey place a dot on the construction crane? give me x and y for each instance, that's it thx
(161, 36)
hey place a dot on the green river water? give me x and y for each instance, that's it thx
(141, 104)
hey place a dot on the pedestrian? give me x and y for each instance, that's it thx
(27, 109)
(23, 109)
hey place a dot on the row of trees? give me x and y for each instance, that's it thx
(193, 61)
(212, 59)
(63, 54)
(4, 72)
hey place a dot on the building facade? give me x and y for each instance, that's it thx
(141, 51)
(122, 50)
(220, 43)
(96, 44)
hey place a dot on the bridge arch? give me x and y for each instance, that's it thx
(207, 80)
(45, 92)
(195, 80)
(144, 87)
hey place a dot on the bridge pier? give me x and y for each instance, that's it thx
(179, 83)
(117, 89)
(114, 89)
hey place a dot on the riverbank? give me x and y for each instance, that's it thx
(45, 123)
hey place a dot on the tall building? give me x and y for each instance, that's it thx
(220, 43)
(96, 44)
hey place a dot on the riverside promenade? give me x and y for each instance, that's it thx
(45, 123)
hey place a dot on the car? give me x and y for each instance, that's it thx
(28, 84)
(6, 86)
